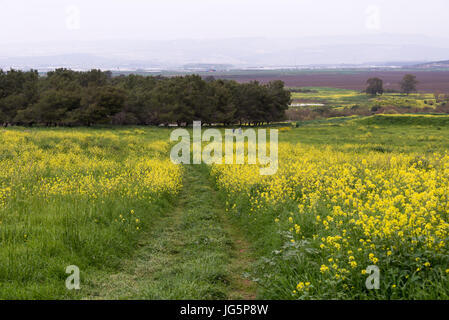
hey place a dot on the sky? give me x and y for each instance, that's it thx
(74, 20)
(238, 32)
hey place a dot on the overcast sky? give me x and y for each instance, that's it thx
(55, 20)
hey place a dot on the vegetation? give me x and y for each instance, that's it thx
(375, 86)
(191, 252)
(341, 102)
(408, 84)
(349, 193)
(347, 196)
(362, 188)
(68, 98)
(77, 197)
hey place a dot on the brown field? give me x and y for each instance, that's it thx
(429, 81)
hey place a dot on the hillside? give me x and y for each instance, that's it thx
(433, 65)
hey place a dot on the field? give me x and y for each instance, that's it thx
(310, 103)
(350, 193)
(76, 197)
(344, 98)
(429, 81)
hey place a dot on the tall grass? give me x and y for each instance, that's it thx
(348, 195)
(76, 197)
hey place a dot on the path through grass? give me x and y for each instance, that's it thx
(193, 252)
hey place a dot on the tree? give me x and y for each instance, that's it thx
(248, 102)
(53, 106)
(18, 90)
(67, 97)
(94, 78)
(222, 108)
(98, 105)
(10, 105)
(108, 101)
(168, 103)
(375, 86)
(280, 100)
(408, 84)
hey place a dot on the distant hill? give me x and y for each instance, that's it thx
(207, 67)
(76, 61)
(376, 50)
(432, 65)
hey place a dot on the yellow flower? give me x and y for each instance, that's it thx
(363, 202)
(297, 229)
(324, 269)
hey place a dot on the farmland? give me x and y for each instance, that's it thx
(309, 103)
(345, 98)
(350, 193)
(430, 81)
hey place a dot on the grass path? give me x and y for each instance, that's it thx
(193, 252)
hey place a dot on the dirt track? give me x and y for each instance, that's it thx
(429, 81)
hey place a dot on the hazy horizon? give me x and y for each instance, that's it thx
(244, 32)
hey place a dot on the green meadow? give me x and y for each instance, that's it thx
(343, 98)
(109, 201)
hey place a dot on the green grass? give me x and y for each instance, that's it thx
(188, 248)
(189, 253)
(407, 120)
(402, 133)
(41, 235)
(280, 264)
(184, 247)
(344, 98)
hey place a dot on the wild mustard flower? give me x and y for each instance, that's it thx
(369, 203)
(324, 269)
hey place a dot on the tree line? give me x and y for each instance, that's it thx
(408, 84)
(70, 98)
